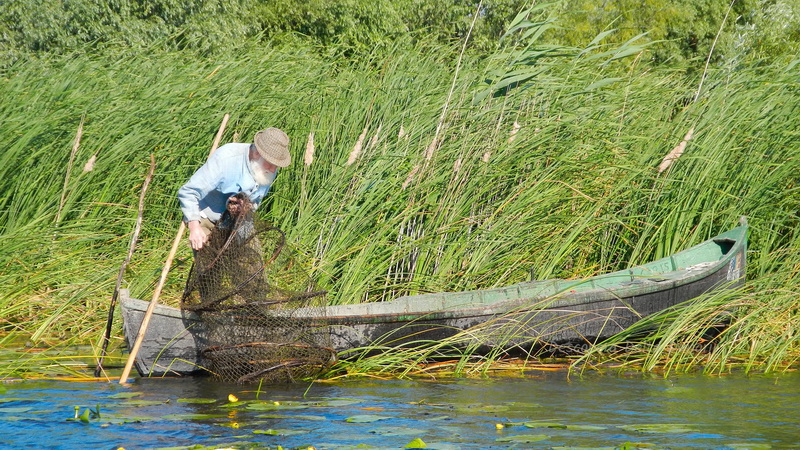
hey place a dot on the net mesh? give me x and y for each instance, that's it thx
(260, 307)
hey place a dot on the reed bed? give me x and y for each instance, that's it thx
(559, 178)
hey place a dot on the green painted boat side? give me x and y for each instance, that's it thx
(570, 314)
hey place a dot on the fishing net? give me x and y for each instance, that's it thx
(260, 308)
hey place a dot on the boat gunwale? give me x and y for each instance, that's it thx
(558, 300)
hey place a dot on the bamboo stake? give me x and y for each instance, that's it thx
(157, 293)
(124, 265)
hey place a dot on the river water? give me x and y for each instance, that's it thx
(538, 410)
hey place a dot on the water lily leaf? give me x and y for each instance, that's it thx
(190, 416)
(437, 418)
(337, 403)
(16, 409)
(295, 417)
(117, 419)
(442, 446)
(19, 418)
(234, 404)
(481, 409)
(12, 399)
(140, 403)
(562, 426)
(366, 418)
(236, 444)
(584, 448)
(659, 428)
(544, 425)
(197, 400)
(635, 446)
(494, 408)
(281, 432)
(346, 447)
(272, 406)
(748, 446)
(416, 443)
(524, 438)
(397, 431)
(125, 395)
(585, 427)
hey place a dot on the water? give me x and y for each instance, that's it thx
(597, 411)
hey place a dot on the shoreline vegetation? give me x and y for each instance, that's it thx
(423, 161)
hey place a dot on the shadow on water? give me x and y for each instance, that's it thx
(538, 411)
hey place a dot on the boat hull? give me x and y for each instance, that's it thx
(569, 315)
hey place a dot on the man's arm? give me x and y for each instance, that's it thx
(204, 180)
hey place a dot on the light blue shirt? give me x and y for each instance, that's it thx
(225, 174)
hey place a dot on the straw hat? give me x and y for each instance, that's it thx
(273, 145)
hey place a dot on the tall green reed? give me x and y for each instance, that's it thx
(558, 179)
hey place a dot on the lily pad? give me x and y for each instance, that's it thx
(636, 446)
(366, 418)
(235, 404)
(281, 432)
(562, 426)
(197, 400)
(748, 446)
(437, 418)
(118, 419)
(585, 427)
(667, 428)
(584, 448)
(524, 438)
(347, 447)
(16, 409)
(495, 408)
(544, 425)
(125, 395)
(238, 444)
(141, 403)
(295, 417)
(190, 416)
(272, 406)
(397, 431)
(338, 403)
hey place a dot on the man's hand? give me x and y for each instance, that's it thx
(197, 237)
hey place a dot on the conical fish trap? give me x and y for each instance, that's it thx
(262, 313)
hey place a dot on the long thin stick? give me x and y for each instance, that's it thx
(434, 145)
(157, 293)
(710, 52)
(124, 265)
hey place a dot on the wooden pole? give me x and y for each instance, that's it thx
(131, 249)
(164, 271)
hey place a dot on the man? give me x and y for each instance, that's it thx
(234, 168)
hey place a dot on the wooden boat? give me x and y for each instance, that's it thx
(568, 313)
